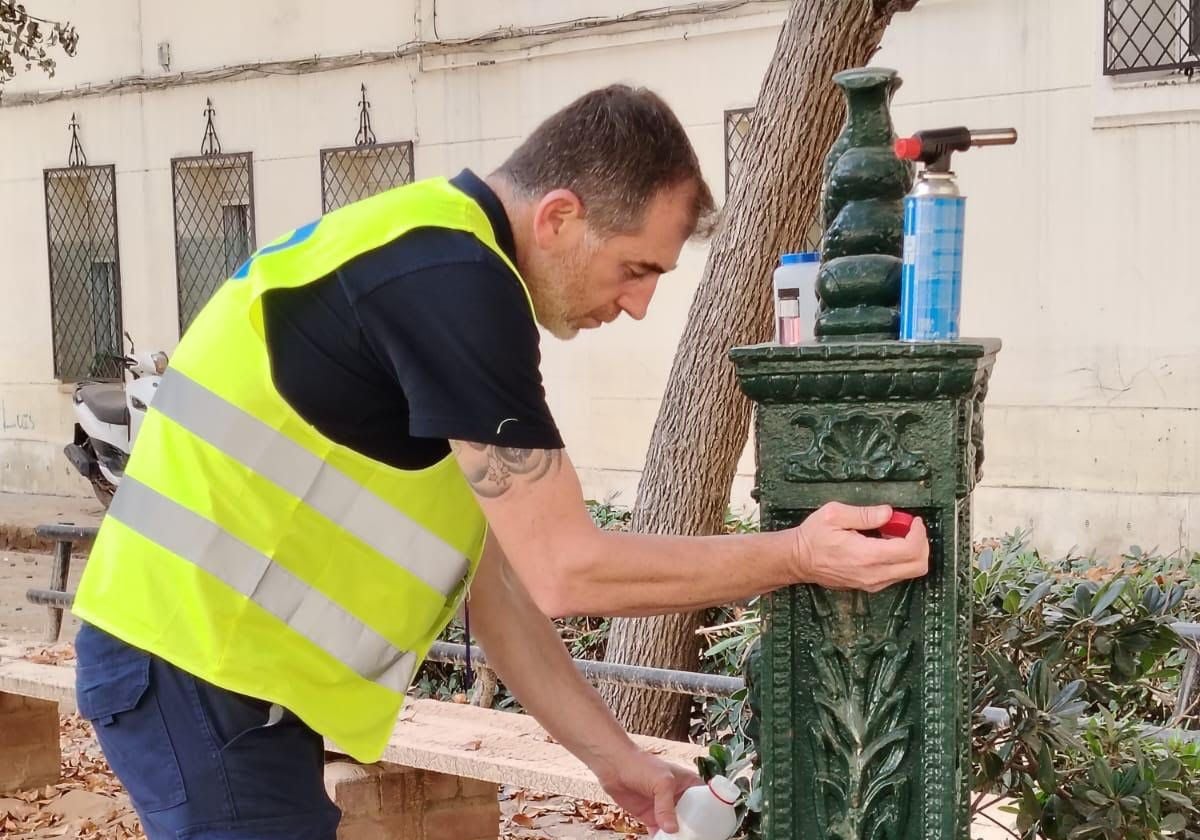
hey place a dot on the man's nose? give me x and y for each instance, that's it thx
(636, 301)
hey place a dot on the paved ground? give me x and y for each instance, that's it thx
(21, 513)
(19, 619)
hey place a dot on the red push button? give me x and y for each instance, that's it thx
(898, 526)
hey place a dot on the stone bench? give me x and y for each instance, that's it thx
(438, 779)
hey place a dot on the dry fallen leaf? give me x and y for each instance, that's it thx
(472, 746)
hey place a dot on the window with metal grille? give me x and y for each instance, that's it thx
(1146, 35)
(349, 173)
(85, 272)
(737, 130)
(214, 225)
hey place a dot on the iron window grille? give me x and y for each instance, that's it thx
(213, 196)
(737, 132)
(737, 129)
(1151, 35)
(85, 271)
(350, 173)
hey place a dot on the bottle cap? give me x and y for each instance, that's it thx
(724, 789)
(800, 257)
(907, 148)
(898, 526)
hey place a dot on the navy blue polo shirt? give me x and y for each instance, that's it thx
(424, 339)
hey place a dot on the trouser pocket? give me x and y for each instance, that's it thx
(113, 690)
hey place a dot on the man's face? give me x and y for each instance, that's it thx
(580, 280)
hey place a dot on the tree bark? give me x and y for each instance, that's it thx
(703, 421)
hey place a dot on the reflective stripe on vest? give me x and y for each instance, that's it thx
(302, 608)
(320, 485)
(251, 550)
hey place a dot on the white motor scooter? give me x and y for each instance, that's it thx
(108, 416)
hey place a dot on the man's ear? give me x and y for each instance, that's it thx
(555, 217)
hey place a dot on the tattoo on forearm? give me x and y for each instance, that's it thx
(493, 470)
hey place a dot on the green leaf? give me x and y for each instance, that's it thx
(754, 801)
(1069, 692)
(1153, 600)
(1174, 599)
(1172, 823)
(1108, 596)
(1083, 597)
(1095, 797)
(1012, 601)
(991, 766)
(720, 754)
(707, 767)
(1122, 662)
(1036, 594)
(1168, 769)
(723, 645)
(1176, 798)
(1102, 773)
(1047, 778)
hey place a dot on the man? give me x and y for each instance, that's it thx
(351, 429)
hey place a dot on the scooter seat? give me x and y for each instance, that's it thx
(107, 402)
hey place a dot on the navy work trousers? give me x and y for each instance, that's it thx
(199, 762)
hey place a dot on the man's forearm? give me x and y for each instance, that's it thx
(526, 651)
(672, 574)
(534, 504)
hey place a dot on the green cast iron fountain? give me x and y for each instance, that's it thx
(863, 701)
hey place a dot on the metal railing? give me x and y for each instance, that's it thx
(1151, 35)
(660, 679)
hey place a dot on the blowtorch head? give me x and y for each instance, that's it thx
(935, 146)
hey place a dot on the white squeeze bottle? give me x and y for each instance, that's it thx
(706, 812)
(795, 282)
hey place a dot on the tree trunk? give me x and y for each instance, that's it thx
(703, 421)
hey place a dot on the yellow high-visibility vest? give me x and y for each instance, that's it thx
(248, 549)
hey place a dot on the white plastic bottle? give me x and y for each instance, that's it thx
(795, 282)
(706, 812)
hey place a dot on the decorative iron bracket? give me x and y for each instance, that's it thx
(75, 157)
(211, 144)
(366, 135)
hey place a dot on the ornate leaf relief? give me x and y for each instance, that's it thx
(856, 446)
(861, 733)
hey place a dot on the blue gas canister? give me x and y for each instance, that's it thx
(931, 280)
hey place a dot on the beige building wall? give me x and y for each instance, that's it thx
(1079, 250)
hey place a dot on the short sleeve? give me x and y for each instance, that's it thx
(462, 343)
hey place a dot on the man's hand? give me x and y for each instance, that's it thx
(831, 551)
(648, 788)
